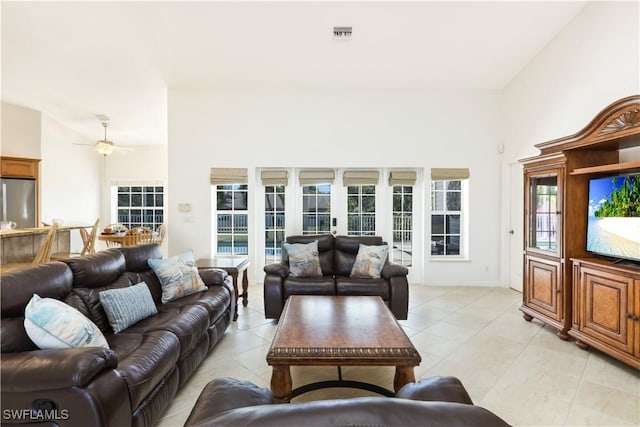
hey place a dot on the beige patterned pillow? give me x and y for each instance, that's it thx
(369, 261)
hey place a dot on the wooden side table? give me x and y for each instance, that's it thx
(233, 265)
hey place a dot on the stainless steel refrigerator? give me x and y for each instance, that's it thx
(18, 197)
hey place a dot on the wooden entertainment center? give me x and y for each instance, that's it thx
(581, 294)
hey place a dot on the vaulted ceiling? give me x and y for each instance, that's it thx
(73, 60)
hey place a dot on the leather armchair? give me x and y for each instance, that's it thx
(337, 256)
(436, 401)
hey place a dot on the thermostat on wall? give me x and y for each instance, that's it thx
(184, 207)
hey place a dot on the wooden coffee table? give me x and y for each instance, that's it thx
(338, 331)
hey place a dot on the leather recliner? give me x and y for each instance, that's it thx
(435, 401)
(132, 382)
(337, 256)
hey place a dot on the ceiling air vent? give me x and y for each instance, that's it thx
(342, 33)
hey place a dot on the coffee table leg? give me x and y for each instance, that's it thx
(234, 276)
(404, 375)
(281, 384)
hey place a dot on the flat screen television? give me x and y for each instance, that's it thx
(613, 222)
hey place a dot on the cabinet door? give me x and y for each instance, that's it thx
(543, 203)
(543, 291)
(606, 301)
(19, 168)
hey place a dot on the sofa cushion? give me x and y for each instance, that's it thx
(357, 286)
(304, 260)
(178, 275)
(50, 323)
(215, 300)
(309, 286)
(144, 360)
(369, 261)
(126, 306)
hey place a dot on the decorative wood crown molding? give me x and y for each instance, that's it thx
(626, 120)
(619, 119)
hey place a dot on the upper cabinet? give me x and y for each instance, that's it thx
(14, 167)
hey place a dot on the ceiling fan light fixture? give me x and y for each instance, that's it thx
(104, 147)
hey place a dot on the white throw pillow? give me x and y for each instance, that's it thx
(53, 324)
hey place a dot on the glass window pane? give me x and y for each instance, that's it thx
(124, 200)
(223, 202)
(353, 189)
(453, 224)
(308, 203)
(453, 245)
(437, 224)
(368, 204)
(159, 200)
(397, 202)
(136, 189)
(324, 189)
(224, 223)
(148, 189)
(269, 201)
(324, 223)
(437, 201)
(324, 203)
(453, 201)
(353, 204)
(240, 200)
(149, 199)
(437, 245)
(453, 185)
(407, 205)
(280, 202)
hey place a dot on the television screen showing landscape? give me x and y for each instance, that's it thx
(613, 226)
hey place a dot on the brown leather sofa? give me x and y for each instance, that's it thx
(133, 382)
(435, 401)
(337, 256)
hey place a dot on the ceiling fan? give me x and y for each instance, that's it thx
(104, 146)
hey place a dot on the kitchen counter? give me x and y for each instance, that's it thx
(21, 245)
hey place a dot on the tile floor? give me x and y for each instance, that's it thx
(519, 370)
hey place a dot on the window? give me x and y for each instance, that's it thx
(140, 206)
(402, 224)
(274, 222)
(446, 217)
(316, 209)
(361, 210)
(232, 219)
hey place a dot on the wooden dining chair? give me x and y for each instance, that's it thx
(44, 253)
(89, 239)
(159, 235)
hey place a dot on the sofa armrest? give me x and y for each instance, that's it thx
(54, 368)
(392, 270)
(441, 389)
(226, 394)
(277, 268)
(213, 276)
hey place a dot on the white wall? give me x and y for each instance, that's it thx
(331, 128)
(70, 178)
(20, 135)
(592, 62)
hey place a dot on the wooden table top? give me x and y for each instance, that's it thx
(327, 330)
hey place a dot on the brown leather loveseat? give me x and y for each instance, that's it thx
(337, 257)
(435, 401)
(133, 381)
